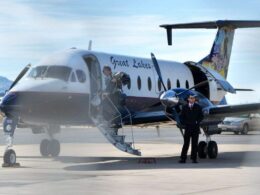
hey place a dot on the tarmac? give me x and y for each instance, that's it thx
(88, 164)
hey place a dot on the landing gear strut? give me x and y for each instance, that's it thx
(9, 126)
(208, 148)
(50, 146)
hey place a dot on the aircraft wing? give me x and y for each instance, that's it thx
(232, 110)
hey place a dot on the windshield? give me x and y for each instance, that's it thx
(37, 71)
(56, 72)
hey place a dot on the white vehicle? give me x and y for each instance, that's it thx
(60, 89)
(241, 124)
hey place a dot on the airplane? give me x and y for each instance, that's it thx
(67, 88)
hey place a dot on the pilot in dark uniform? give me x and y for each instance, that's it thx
(191, 116)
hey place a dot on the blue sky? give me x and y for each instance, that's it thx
(32, 29)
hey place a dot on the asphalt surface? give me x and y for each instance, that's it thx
(88, 164)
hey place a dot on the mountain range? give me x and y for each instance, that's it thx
(5, 83)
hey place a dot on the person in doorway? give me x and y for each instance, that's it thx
(110, 98)
(109, 81)
(191, 117)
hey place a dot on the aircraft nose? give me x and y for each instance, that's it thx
(8, 102)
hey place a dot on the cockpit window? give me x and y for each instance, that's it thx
(38, 71)
(81, 76)
(56, 72)
(73, 77)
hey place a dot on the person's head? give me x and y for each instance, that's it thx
(107, 71)
(191, 99)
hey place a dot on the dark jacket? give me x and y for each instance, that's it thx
(191, 118)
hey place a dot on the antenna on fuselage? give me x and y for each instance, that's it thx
(90, 45)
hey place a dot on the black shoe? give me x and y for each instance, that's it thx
(194, 161)
(182, 161)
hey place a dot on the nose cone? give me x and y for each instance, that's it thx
(9, 103)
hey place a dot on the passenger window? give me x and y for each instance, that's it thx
(72, 77)
(187, 84)
(129, 83)
(149, 82)
(139, 82)
(159, 85)
(169, 86)
(81, 76)
(178, 83)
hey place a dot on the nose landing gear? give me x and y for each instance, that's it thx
(9, 158)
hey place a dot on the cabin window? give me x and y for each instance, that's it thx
(81, 76)
(159, 85)
(169, 86)
(58, 72)
(178, 83)
(139, 82)
(149, 82)
(73, 77)
(129, 83)
(187, 84)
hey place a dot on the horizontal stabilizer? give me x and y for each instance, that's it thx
(244, 89)
(232, 24)
(216, 24)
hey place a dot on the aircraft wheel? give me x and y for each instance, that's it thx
(236, 132)
(245, 129)
(10, 157)
(44, 147)
(202, 149)
(212, 149)
(54, 148)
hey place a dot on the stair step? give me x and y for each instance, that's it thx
(120, 138)
(117, 140)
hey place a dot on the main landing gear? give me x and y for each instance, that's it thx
(51, 146)
(208, 148)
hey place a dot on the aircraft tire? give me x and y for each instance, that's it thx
(54, 148)
(212, 150)
(10, 157)
(202, 149)
(44, 147)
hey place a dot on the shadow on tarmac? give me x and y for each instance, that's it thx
(225, 160)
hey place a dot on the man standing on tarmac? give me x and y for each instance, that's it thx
(191, 116)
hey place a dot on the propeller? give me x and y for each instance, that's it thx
(21, 74)
(195, 86)
(169, 98)
(157, 68)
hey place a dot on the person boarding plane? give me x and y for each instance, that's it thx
(60, 88)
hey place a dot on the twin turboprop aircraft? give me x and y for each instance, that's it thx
(67, 88)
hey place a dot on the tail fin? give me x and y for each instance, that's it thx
(219, 57)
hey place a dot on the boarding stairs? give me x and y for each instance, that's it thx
(111, 133)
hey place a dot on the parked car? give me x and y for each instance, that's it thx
(241, 124)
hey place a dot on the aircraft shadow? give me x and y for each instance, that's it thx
(225, 160)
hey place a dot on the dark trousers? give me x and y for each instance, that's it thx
(194, 136)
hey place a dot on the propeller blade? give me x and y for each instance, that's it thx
(197, 85)
(22, 73)
(157, 68)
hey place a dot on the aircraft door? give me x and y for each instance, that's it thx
(95, 83)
